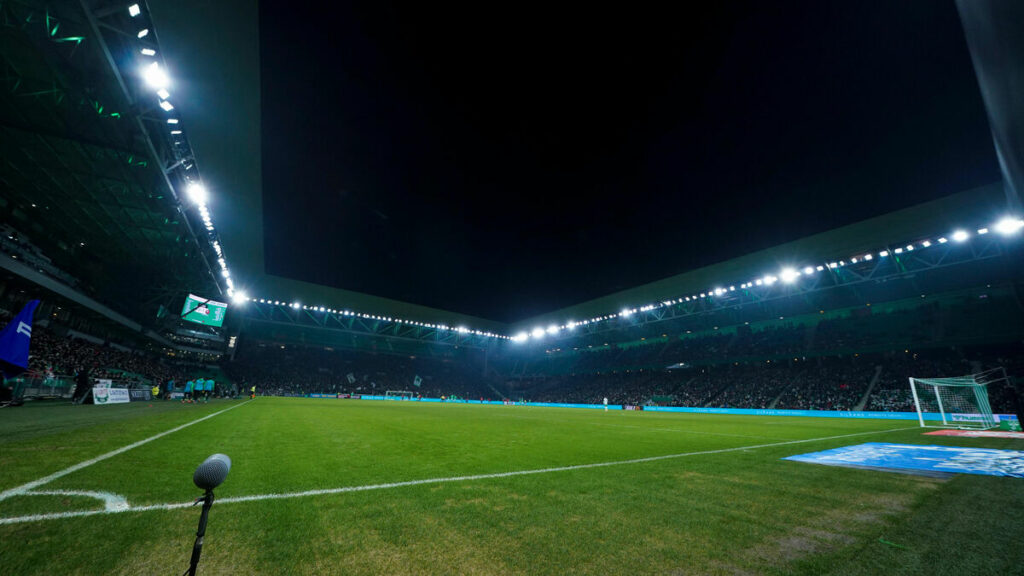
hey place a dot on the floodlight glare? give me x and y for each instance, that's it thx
(960, 235)
(240, 297)
(155, 76)
(788, 275)
(143, 33)
(538, 332)
(134, 10)
(626, 313)
(552, 329)
(1009, 225)
(163, 94)
(809, 270)
(197, 193)
(148, 52)
(167, 106)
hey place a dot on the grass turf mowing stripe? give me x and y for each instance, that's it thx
(328, 491)
(47, 479)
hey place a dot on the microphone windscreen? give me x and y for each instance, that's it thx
(212, 472)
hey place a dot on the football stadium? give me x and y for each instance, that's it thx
(380, 289)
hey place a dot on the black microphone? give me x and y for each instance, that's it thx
(207, 476)
(212, 472)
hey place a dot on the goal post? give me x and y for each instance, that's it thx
(960, 402)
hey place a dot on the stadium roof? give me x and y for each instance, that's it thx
(221, 99)
(91, 168)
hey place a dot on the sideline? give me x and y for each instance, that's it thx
(47, 479)
(326, 491)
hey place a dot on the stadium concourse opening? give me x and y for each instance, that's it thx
(482, 292)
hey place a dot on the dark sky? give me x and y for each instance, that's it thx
(508, 160)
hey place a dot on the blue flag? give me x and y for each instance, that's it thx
(14, 341)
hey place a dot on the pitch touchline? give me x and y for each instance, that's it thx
(326, 491)
(46, 480)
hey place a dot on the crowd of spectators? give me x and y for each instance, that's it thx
(283, 369)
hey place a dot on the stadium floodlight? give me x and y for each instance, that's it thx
(175, 132)
(552, 329)
(163, 94)
(809, 270)
(197, 193)
(134, 10)
(626, 313)
(868, 257)
(910, 247)
(898, 251)
(943, 240)
(148, 52)
(820, 268)
(240, 297)
(172, 120)
(926, 243)
(225, 273)
(960, 235)
(883, 253)
(982, 230)
(538, 332)
(143, 33)
(155, 76)
(788, 275)
(167, 106)
(1009, 225)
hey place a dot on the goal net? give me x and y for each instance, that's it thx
(960, 402)
(398, 395)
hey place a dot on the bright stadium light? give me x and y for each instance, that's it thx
(134, 10)
(163, 94)
(1009, 225)
(626, 313)
(197, 193)
(943, 240)
(148, 52)
(788, 275)
(520, 337)
(538, 332)
(552, 329)
(155, 76)
(960, 235)
(167, 106)
(807, 270)
(883, 253)
(143, 33)
(240, 297)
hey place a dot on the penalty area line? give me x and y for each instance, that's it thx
(47, 479)
(342, 490)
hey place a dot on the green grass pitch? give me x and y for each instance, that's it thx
(722, 503)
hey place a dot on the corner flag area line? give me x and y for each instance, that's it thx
(328, 491)
(47, 479)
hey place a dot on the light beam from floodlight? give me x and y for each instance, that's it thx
(197, 193)
(960, 235)
(155, 76)
(1009, 225)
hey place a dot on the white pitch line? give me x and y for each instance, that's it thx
(26, 487)
(111, 502)
(327, 491)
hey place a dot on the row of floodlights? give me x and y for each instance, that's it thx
(1008, 226)
(240, 297)
(157, 79)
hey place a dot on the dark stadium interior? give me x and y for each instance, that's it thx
(452, 158)
(379, 215)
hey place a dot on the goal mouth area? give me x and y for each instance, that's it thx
(960, 402)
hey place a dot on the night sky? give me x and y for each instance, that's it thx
(508, 160)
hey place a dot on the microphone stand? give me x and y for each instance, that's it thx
(197, 548)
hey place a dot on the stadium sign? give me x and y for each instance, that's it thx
(102, 393)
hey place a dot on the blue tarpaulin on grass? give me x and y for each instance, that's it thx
(985, 461)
